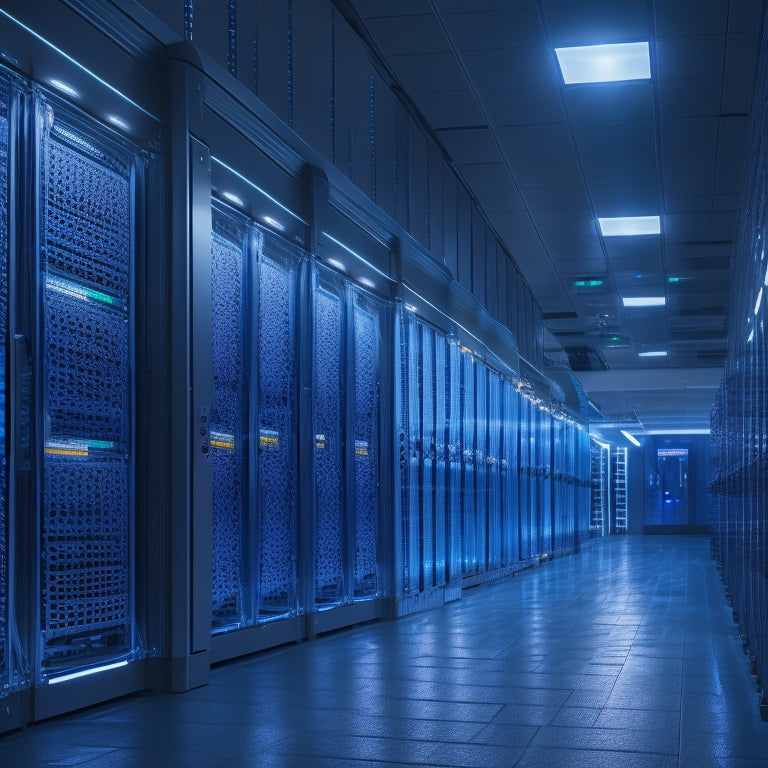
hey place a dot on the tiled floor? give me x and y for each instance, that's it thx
(622, 657)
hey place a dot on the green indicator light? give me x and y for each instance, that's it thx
(673, 279)
(99, 296)
(587, 283)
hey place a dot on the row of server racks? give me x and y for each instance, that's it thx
(240, 406)
(739, 423)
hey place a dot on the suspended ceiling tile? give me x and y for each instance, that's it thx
(626, 197)
(510, 68)
(557, 198)
(376, 8)
(429, 72)
(522, 105)
(493, 182)
(466, 6)
(540, 155)
(610, 102)
(396, 36)
(691, 97)
(690, 57)
(450, 109)
(479, 30)
(690, 17)
(745, 15)
(470, 146)
(737, 96)
(592, 22)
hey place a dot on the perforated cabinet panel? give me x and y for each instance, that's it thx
(277, 459)
(493, 462)
(4, 655)
(366, 448)
(327, 393)
(85, 569)
(468, 462)
(227, 418)
(86, 363)
(441, 459)
(427, 484)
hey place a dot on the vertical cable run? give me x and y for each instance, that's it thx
(232, 37)
(290, 63)
(427, 212)
(372, 96)
(332, 92)
(255, 59)
(189, 19)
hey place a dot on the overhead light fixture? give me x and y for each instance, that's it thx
(118, 122)
(759, 300)
(655, 353)
(751, 336)
(59, 85)
(337, 264)
(609, 63)
(644, 301)
(234, 199)
(632, 439)
(691, 431)
(627, 226)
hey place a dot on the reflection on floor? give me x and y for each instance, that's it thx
(624, 656)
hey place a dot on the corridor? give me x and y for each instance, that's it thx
(624, 656)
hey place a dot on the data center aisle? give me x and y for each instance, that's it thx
(622, 656)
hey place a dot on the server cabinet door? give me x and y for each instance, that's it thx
(527, 529)
(328, 377)
(277, 464)
(510, 542)
(86, 506)
(426, 399)
(441, 459)
(468, 447)
(230, 241)
(366, 314)
(481, 467)
(5, 632)
(455, 460)
(493, 463)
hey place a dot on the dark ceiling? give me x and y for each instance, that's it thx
(545, 160)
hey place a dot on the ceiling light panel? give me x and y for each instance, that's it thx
(604, 63)
(626, 226)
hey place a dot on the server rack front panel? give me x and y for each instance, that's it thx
(86, 505)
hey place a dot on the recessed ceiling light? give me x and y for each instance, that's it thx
(604, 63)
(644, 301)
(655, 353)
(233, 198)
(623, 226)
(59, 85)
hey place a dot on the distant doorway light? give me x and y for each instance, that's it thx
(644, 301)
(625, 226)
(609, 63)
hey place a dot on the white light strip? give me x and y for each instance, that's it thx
(257, 188)
(657, 353)
(759, 300)
(628, 226)
(632, 439)
(86, 672)
(77, 64)
(678, 432)
(358, 257)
